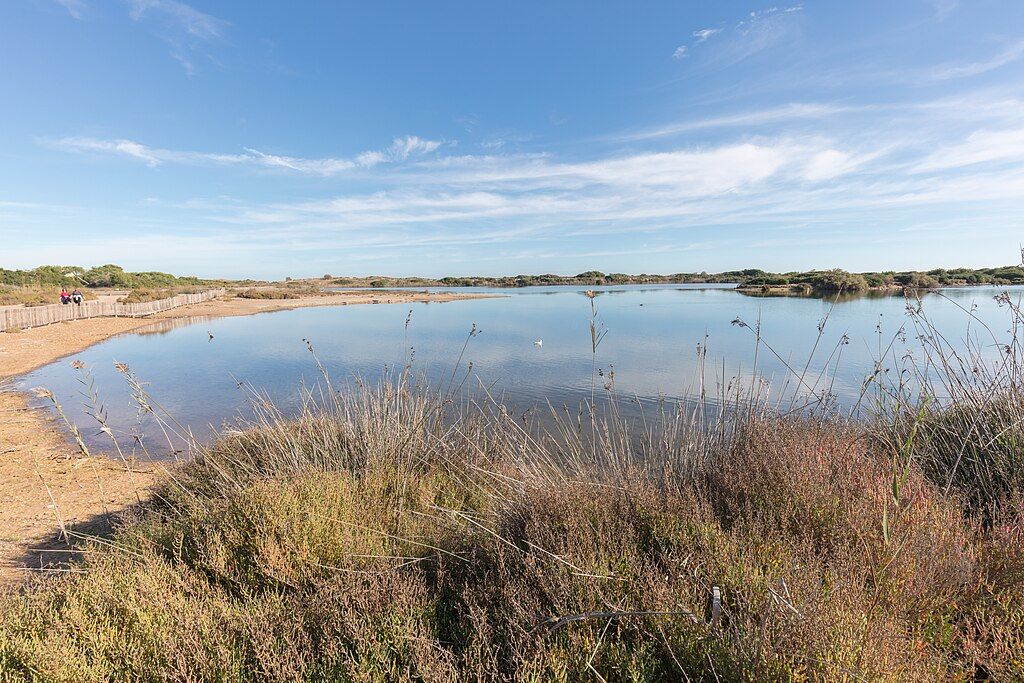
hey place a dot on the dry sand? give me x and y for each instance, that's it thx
(46, 484)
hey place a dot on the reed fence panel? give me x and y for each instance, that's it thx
(36, 316)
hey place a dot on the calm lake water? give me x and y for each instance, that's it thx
(651, 346)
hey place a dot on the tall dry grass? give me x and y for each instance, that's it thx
(392, 533)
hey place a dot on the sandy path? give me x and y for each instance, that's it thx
(45, 482)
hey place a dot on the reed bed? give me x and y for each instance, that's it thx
(399, 533)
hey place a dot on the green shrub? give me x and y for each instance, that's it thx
(838, 280)
(917, 280)
(268, 293)
(367, 540)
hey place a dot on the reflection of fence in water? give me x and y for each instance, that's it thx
(166, 325)
(36, 316)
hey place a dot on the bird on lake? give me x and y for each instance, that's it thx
(539, 342)
(210, 334)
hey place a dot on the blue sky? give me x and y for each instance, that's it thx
(297, 138)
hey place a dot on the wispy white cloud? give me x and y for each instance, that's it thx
(760, 30)
(1010, 54)
(180, 16)
(189, 32)
(980, 147)
(828, 167)
(400, 149)
(832, 163)
(757, 31)
(76, 8)
(784, 113)
(943, 7)
(705, 33)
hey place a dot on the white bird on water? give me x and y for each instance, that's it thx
(539, 342)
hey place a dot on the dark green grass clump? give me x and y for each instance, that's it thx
(372, 540)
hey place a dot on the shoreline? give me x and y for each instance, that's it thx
(46, 483)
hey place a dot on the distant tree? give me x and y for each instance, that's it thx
(838, 280)
(591, 275)
(916, 280)
(768, 280)
(879, 279)
(108, 275)
(327, 276)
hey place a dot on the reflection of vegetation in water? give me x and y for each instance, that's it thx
(808, 293)
(393, 533)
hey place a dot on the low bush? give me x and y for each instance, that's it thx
(142, 295)
(918, 281)
(268, 293)
(375, 538)
(34, 296)
(838, 281)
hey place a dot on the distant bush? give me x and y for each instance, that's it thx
(379, 283)
(917, 280)
(43, 276)
(108, 275)
(838, 280)
(276, 293)
(879, 279)
(142, 295)
(591, 275)
(34, 296)
(1013, 274)
(768, 280)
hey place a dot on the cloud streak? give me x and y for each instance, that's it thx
(758, 30)
(75, 8)
(1010, 54)
(705, 33)
(401, 149)
(179, 16)
(188, 31)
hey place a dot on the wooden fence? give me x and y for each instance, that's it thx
(36, 316)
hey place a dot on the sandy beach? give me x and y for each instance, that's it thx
(46, 483)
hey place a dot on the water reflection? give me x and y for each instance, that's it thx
(651, 349)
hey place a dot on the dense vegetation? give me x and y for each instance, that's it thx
(11, 295)
(101, 276)
(141, 295)
(380, 536)
(817, 280)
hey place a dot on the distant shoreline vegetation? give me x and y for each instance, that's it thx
(753, 280)
(37, 286)
(105, 276)
(750, 281)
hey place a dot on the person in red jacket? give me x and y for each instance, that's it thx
(65, 298)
